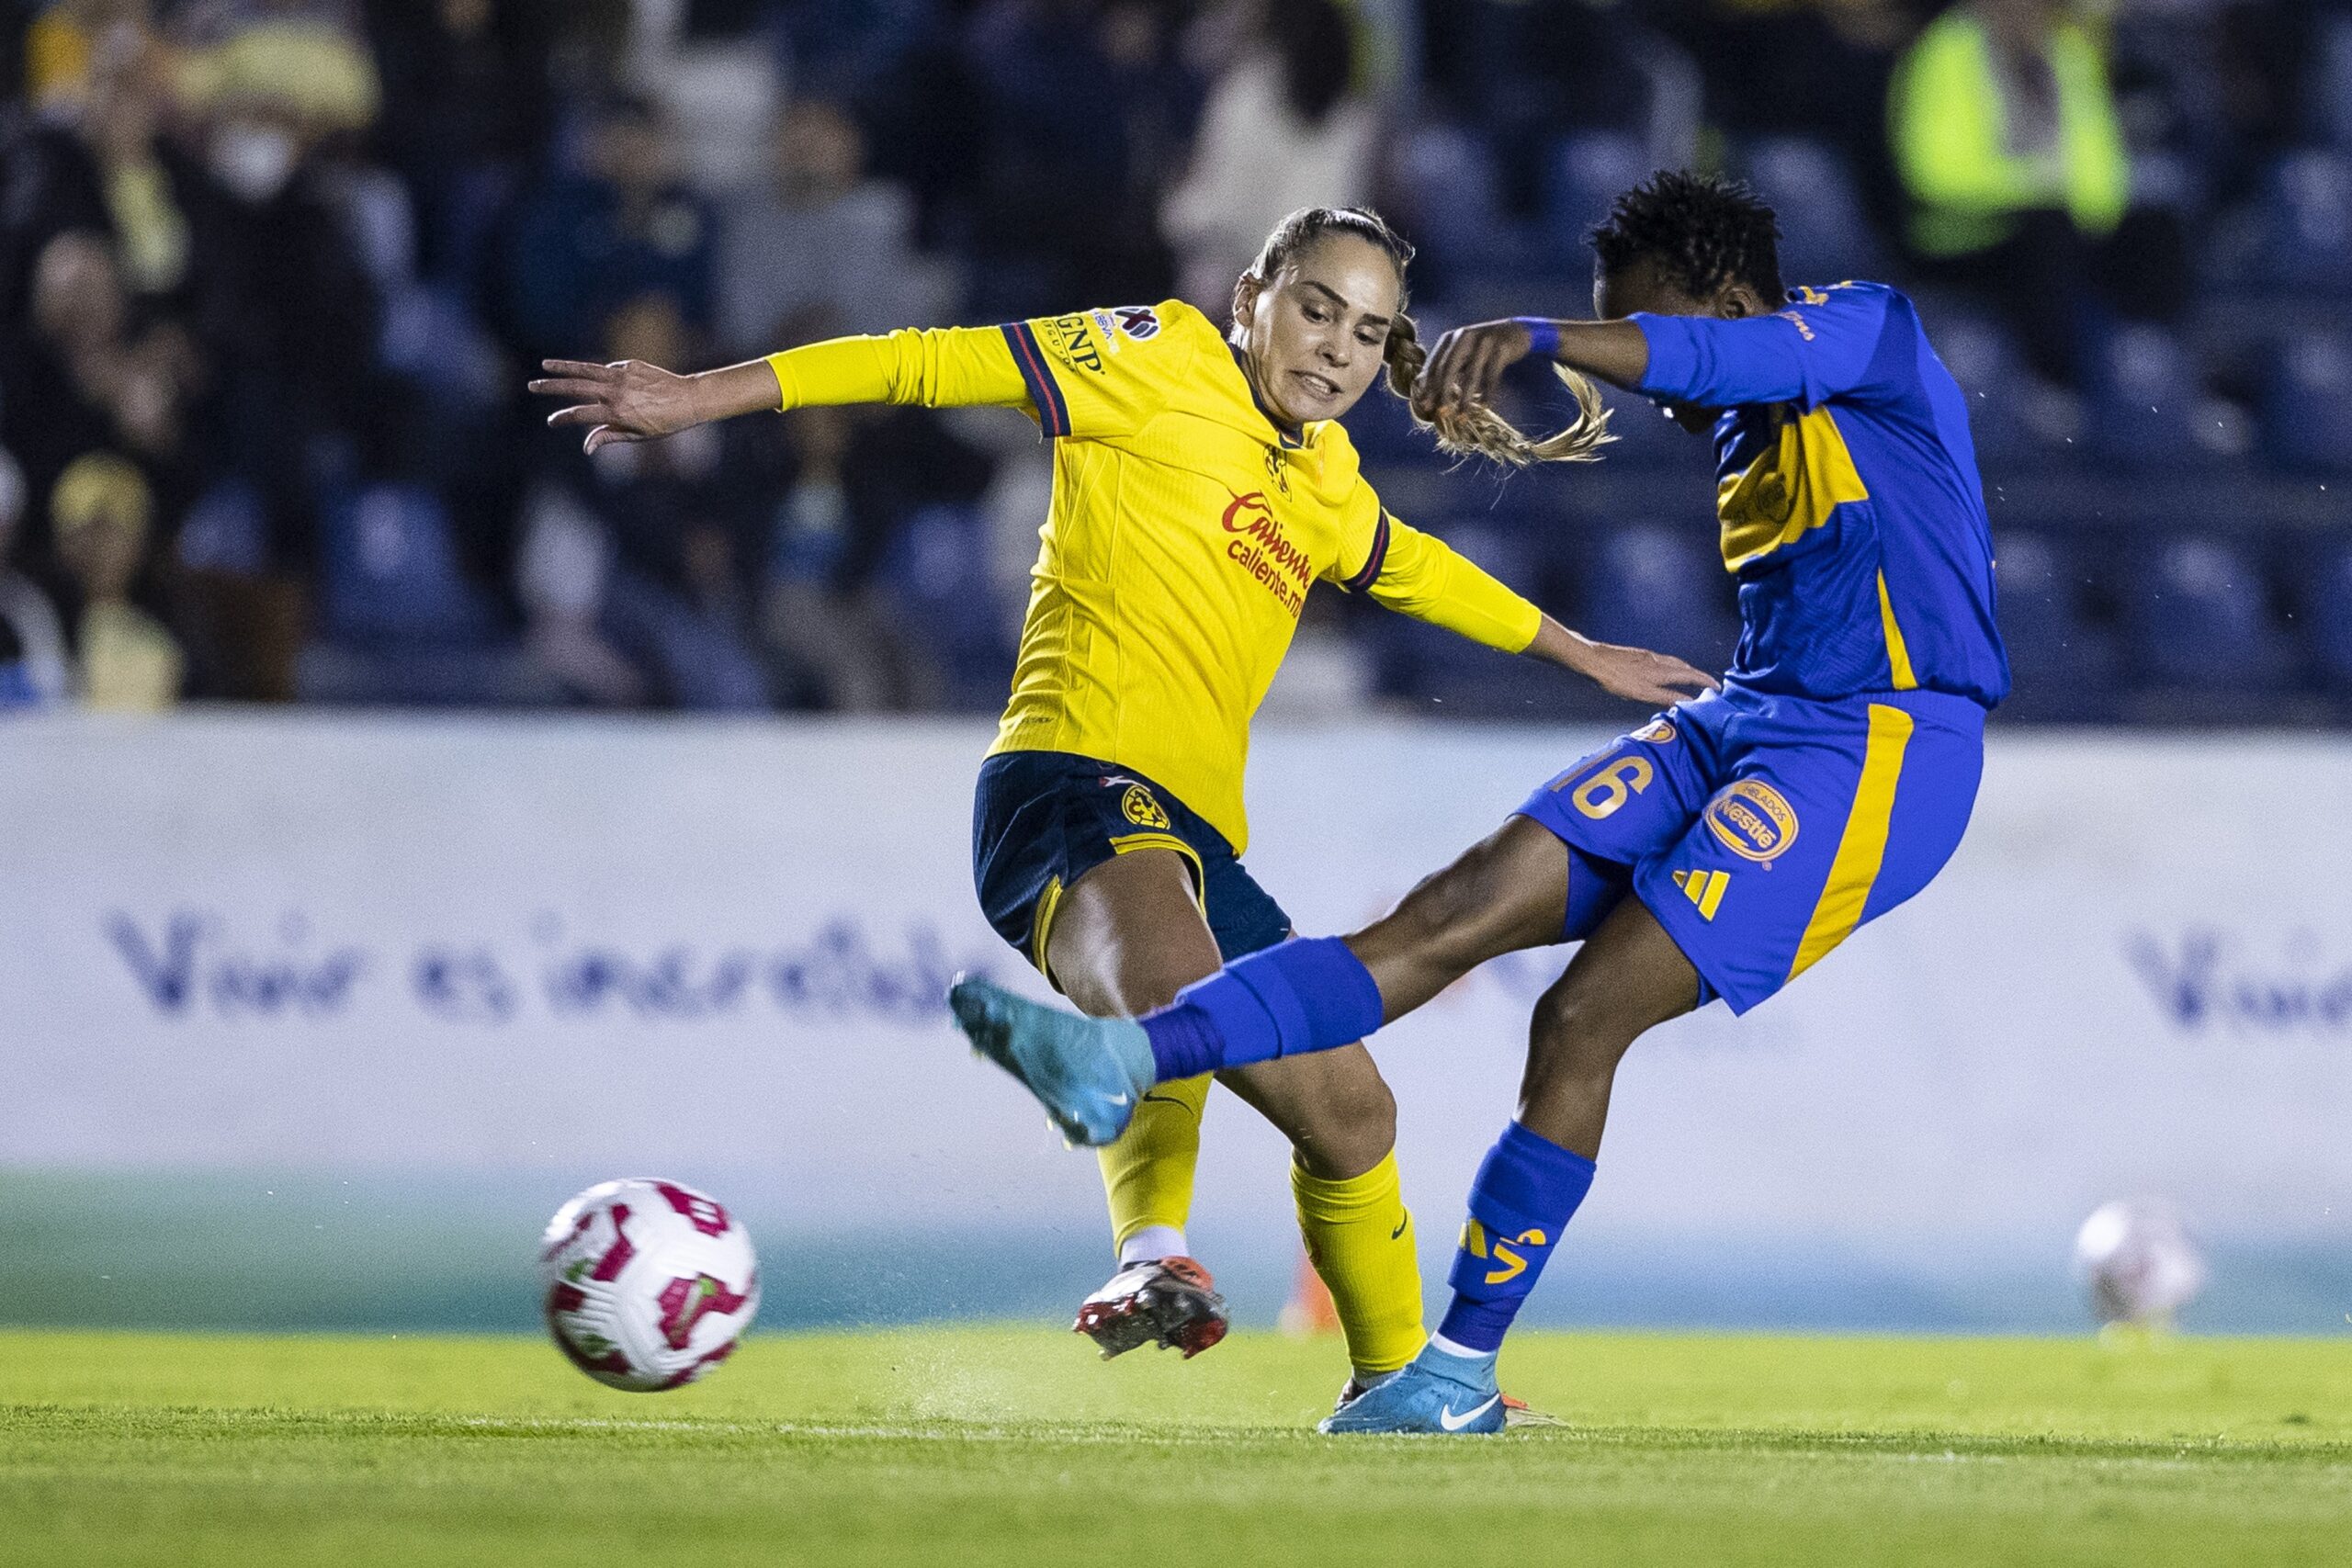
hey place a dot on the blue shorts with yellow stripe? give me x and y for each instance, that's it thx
(1762, 830)
(1042, 819)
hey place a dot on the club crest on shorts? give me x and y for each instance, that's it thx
(1753, 820)
(1140, 809)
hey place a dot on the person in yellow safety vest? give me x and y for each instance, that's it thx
(2000, 108)
(2005, 134)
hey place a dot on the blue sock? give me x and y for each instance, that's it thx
(1307, 994)
(1527, 1189)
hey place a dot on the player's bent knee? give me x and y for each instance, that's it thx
(1340, 1116)
(1357, 1127)
(1575, 1033)
(1346, 1139)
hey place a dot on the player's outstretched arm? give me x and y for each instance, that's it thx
(1635, 673)
(937, 368)
(1419, 575)
(1467, 362)
(1823, 344)
(631, 401)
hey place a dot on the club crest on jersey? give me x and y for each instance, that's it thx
(1277, 470)
(1138, 808)
(1657, 731)
(1753, 820)
(1138, 321)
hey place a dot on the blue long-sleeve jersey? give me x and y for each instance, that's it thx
(1846, 487)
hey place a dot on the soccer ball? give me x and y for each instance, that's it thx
(648, 1284)
(2138, 1263)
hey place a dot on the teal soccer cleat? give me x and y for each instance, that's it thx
(1435, 1393)
(1087, 1072)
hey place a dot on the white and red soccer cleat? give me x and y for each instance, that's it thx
(1170, 1302)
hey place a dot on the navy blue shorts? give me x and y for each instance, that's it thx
(1042, 819)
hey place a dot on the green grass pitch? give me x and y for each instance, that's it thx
(971, 1446)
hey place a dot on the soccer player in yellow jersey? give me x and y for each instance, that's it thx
(1201, 487)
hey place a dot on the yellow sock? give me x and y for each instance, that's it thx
(1359, 1235)
(1147, 1174)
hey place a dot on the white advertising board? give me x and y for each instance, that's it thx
(462, 945)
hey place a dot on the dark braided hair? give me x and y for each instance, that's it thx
(1478, 430)
(1701, 230)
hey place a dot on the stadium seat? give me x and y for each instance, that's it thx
(1582, 176)
(381, 221)
(1985, 363)
(2144, 394)
(1824, 235)
(1451, 208)
(430, 338)
(2331, 102)
(500, 673)
(391, 571)
(2063, 664)
(1450, 676)
(1383, 431)
(466, 213)
(935, 572)
(2330, 579)
(1659, 586)
(2307, 404)
(2197, 616)
(2306, 222)
(226, 530)
(1646, 438)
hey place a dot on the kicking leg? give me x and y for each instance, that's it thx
(1514, 889)
(1629, 977)
(1505, 893)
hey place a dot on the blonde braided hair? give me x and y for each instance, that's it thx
(1477, 431)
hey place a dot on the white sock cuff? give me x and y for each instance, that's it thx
(1444, 1346)
(1153, 1243)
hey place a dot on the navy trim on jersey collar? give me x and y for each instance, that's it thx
(1290, 436)
(1053, 408)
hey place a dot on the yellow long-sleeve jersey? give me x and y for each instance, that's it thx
(1185, 530)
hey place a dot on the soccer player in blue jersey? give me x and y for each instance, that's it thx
(1719, 851)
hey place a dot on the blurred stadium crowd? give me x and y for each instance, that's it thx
(272, 271)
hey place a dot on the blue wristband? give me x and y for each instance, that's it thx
(1543, 334)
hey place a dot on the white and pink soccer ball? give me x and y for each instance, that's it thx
(650, 1284)
(2138, 1261)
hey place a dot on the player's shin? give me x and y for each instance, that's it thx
(1527, 1189)
(1360, 1236)
(1304, 995)
(1148, 1172)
